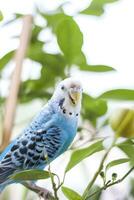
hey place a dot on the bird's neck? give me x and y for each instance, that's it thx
(65, 108)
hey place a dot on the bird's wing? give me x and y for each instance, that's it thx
(31, 150)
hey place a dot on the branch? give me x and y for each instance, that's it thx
(97, 172)
(53, 183)
(42, 192)
(15, 82)
(111, 184)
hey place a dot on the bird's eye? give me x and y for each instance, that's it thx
(62, 87)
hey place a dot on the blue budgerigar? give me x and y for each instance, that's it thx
(50, 133)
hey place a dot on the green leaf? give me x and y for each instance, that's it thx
(54, 61)
(70, 39)
(118, 94)
(94, 188)
(128, 148)
(96, 68)
(54, 20)
(96, 7)
(5, 59)
(71, 194)
(79, 155)
(117, 162)
(93, 108)
(30, 175)
(1, 16)
(80, 59)
(35, 33)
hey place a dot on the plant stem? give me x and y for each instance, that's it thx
(52, 178)
(53, 184)
(46, 194)
(98, 171)
(111, 184)
(61, 182)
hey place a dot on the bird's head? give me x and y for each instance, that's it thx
(68, 94)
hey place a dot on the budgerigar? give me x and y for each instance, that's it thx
(50, 133)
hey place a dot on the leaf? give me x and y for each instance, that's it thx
(96, 68)
(54, 20)
(1, 16)
(54, 61)
(79, 155)
(93, 108)
(96, 7)
(70, 39)
(80, 59)
(30, 175)
(5, 59)
(35, 33)
(128, 148)
(71, 194)
(94, 188)
(117, 162)
(118, 94)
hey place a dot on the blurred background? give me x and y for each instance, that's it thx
(43, 42)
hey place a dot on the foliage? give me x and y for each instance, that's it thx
(117, 162)
(1, 16)
(31, 175)
(80, 154)
(96, 7)
(57, 66)
(71, 194)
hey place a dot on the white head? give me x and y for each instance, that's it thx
(68, 94)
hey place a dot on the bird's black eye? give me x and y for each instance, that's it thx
(62, 87)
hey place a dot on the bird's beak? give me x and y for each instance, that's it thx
(74, 96)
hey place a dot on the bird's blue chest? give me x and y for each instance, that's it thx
(65, 128)
(68, 125)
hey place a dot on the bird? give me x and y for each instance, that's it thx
(48, 135)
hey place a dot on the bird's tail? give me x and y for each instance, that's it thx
(5, 180)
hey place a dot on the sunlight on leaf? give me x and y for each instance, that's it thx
(128, 148)
(117, 162)
(118, 94)
(79, 155)
(53, 20)
(30, 175)
(96, 7)
(93, 108)
(5, 59)
(96, 68)
(71, 194)
(70, 39)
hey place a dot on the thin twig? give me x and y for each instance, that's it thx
(109, 184)
(52, 178)
(97, 172)
(46, 194)
(61, 182)
(53, 183)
